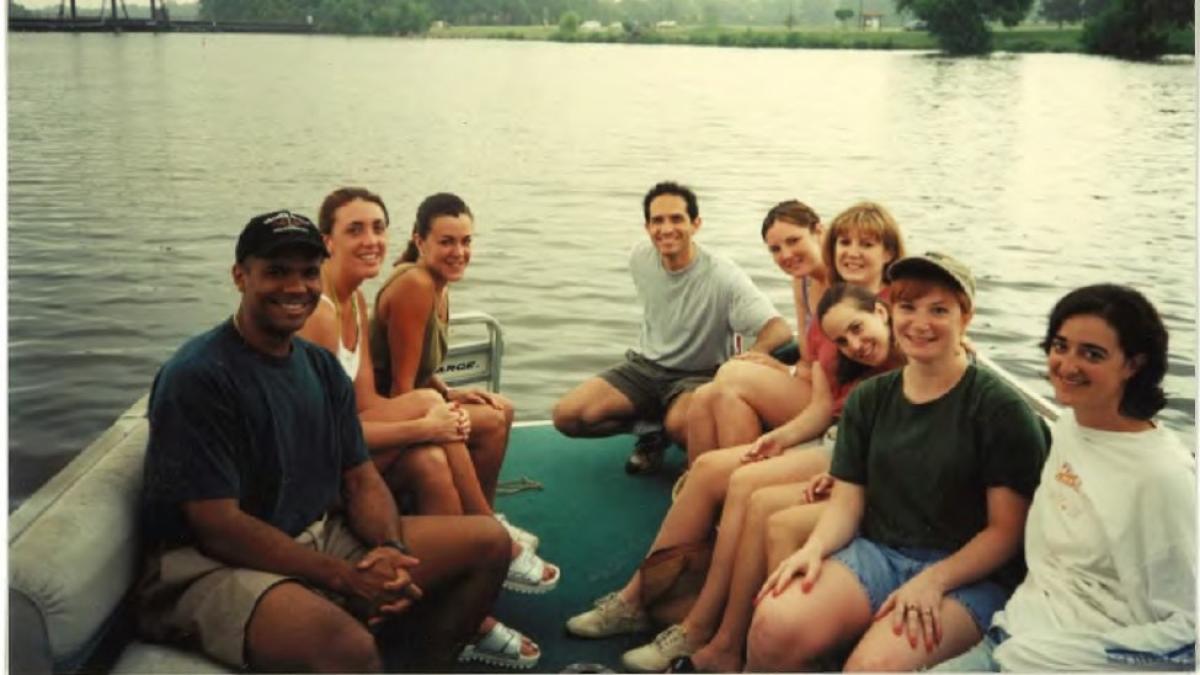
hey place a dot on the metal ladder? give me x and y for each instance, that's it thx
(475, 360)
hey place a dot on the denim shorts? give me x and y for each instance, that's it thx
(882, 569)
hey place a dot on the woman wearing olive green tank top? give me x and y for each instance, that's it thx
(408, 342)
(433, 339)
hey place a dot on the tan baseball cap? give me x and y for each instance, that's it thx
(939, 264)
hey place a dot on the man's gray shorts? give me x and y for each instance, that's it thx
(651, 387)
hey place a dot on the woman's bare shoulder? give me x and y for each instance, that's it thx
(408, 297)
(415, 280)
(321, 327)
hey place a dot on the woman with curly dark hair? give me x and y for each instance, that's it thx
(1111, 535)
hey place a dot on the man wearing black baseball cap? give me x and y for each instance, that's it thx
(272, 541)
(275, 306)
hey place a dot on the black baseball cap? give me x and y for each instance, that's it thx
(267, 233)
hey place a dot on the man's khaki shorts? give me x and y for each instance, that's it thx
(186, 597)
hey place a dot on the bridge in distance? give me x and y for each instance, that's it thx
(69, 20)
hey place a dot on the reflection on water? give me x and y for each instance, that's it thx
(135, 159)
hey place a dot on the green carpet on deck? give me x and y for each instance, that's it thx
(595, 522)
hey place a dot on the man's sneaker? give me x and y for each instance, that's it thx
(648, 453)
(656, 656)
(610, 616)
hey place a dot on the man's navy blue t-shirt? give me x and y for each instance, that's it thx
(229, 422)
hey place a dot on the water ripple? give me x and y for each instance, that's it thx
(1044, 172)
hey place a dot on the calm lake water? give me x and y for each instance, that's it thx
(134, 160)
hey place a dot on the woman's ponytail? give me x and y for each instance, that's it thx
(411, 253)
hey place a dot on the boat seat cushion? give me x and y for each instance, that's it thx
(75, 550)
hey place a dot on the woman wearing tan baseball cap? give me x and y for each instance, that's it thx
(935, 465)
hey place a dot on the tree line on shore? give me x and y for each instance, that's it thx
(1134, 29)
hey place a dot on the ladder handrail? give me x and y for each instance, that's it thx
(494, 344)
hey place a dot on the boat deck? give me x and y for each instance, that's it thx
(595, 522)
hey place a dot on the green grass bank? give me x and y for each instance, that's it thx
(1020, 39)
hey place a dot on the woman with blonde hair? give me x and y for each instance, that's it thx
(754, 391)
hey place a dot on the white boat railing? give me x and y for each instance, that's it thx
(474, 360)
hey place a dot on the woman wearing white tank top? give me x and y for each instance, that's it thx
(417, 440)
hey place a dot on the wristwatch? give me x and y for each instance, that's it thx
(398, 545)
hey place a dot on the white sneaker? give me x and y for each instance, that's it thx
(656, 656)
(610, 616)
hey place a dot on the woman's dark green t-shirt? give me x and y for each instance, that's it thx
(926, 468)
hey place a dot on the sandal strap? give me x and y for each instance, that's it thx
(502, 639)
(528, 567)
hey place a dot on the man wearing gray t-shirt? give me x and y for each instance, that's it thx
(693, 303)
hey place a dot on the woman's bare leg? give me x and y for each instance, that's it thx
(723, 653)
(881, 650)
(788, 529)
(476, 465)
(690, 518)
(775, 395)
(466, 481)
(424, 471)
(701, 421)
(457, 462)
(730, 420)
(742, 399)
(430, 474)
(410, 405)
(791, 629)
(790, 467)
(675, 421)
(489, 442)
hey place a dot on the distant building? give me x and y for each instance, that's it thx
(872, 20)
(590, 24)
(438, 25)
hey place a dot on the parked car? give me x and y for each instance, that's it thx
(916, 24)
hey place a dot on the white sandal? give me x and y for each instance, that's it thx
(526, 572)
(522, 536)
(501, 647)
